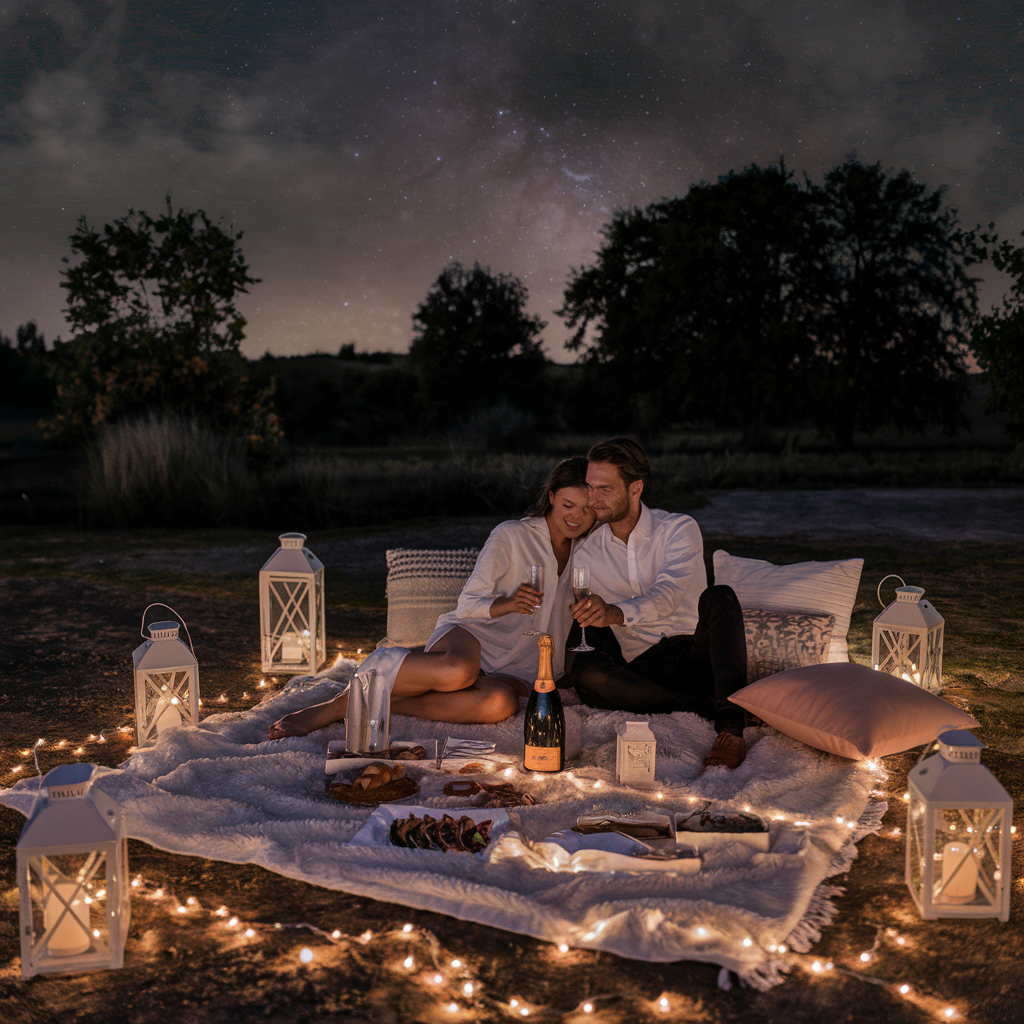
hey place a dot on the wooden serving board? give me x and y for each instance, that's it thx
(389, 792)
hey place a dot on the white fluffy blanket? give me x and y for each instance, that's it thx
(223, 791)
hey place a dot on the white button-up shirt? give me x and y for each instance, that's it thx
(504, 563)
(656, 578)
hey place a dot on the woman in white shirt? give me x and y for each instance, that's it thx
(478, 660)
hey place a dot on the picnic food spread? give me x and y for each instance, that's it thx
(427, 833)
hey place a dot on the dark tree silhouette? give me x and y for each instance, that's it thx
(151, 304)
(890, 301)
(998, 342)
(24, 369)
(475, 344)
(687, 311)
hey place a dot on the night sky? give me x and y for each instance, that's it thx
(361, 145)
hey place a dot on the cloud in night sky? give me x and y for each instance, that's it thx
(361, 145)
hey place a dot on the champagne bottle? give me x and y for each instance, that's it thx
(544, 727)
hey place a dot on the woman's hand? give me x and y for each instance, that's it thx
(522, 602)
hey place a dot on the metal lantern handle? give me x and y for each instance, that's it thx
(878, 592)
(160, 604)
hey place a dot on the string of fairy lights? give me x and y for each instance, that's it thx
(462, 990)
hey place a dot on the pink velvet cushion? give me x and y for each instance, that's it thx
(849, 709)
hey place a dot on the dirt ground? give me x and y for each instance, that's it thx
(70, 606)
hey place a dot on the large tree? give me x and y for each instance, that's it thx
(687, 311)
(151, 304)
(998, 342)
(891, 300)
(475, 344)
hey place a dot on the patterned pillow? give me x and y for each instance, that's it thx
(777, 641)
(421, 586)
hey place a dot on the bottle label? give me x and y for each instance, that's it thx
(544, 685)
(543, 759)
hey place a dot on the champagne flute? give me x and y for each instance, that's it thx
(537, 582)
(581, 589)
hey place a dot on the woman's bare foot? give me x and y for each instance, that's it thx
(307, 720)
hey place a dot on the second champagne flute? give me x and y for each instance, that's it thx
(581, 589)
(537, 582)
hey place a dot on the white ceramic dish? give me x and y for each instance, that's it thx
(611, 851)
(336, 762)
(377, 830)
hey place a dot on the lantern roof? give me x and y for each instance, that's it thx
(293, 557)
(909, 611)
(958, 784)
(163, 652)
(73, 815)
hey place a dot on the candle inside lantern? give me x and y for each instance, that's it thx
(295, 647)
(71, 936)
(168, 714)
(962, 886)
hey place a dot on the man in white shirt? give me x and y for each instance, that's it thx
(664, 640)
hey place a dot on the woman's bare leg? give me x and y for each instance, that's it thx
(451, 665)
(489, 699)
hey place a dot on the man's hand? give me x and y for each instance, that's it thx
(592, 611)
(523, 602)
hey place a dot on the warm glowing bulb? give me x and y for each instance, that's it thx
(182, 910)
(158, 894)
(191, 901)
(467, 989)
(222, 911)
(949, 1012)
(904, 989)
(407, 962)
(513, 1003)
(900, 941)
(95, 933)
(588, 1007)
(366, 936)
(453, 1007)
(661, 796)
(906, 797)
(782, 949)
(817, 967)
(663, 1003)
(702, 932)
(597, 785)
(748, 941)
(456, 964)
(436, 979)
(865, 957)
(563, 948)
(249, 933)
(306, 954)
(406, 928)
(233, 923)
(524, 1012)
(335, 934)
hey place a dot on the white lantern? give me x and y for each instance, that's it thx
(958, 833)
(635, 747)
(906, 639)
(72, 861)
(292, 633)
(166, 681)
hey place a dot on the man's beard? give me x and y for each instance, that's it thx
(615, 513)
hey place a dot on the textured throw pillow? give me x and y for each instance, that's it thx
(850, 709)
(421, 586)
(777, 641)
(827, 587)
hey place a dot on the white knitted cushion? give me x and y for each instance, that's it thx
(777, 641)
(421, 586)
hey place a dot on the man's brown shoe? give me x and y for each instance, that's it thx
(727, 751)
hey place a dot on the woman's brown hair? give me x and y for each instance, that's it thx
(568, 473)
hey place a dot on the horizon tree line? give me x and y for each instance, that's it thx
(754, 302)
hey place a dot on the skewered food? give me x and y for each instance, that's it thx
(427, 833)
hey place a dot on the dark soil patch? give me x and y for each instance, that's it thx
(66, 643)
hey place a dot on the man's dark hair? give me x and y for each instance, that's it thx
(626, 455)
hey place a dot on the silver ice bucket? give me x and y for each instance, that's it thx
(368, 718)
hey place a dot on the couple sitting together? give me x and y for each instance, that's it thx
(664, 641)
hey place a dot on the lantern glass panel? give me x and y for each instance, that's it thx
(289, 639)
(967, 843)
(918, 851)
(68, 894)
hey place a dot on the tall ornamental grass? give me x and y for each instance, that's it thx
(165, 470)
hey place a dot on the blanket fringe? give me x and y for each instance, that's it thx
(820, 909)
